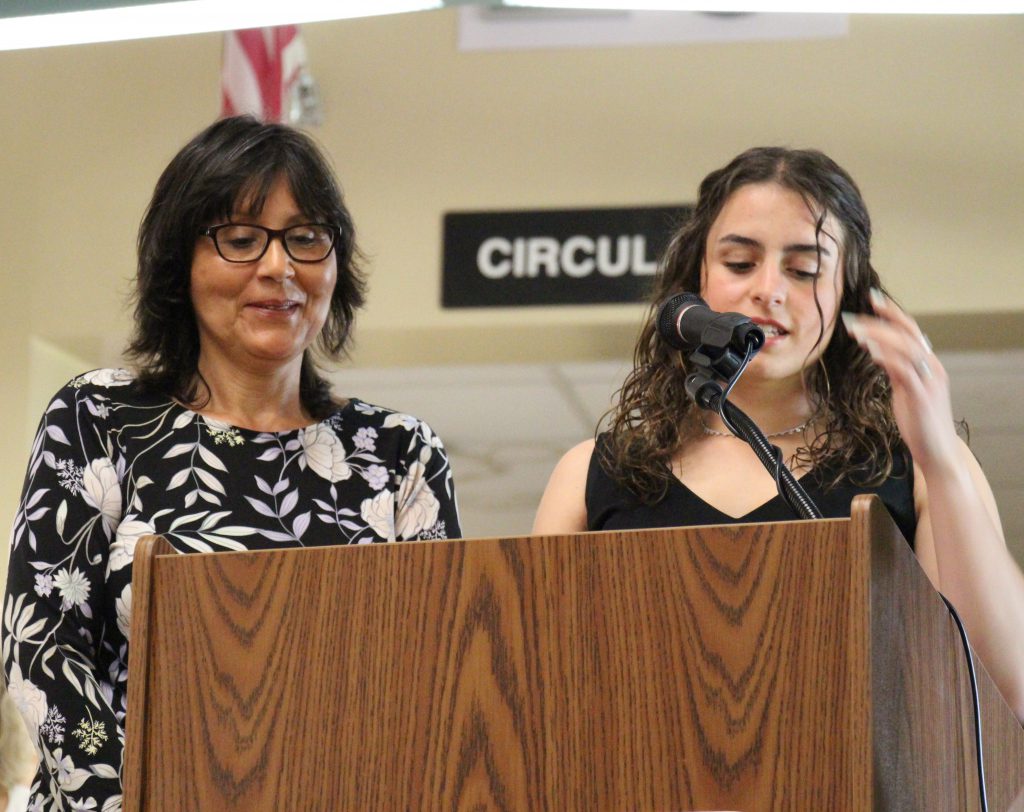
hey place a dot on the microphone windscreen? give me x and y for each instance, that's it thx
(668, 318)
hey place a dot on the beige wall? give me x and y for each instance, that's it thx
(925, 112)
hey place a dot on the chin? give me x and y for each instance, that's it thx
(278, 354)
(770, 369)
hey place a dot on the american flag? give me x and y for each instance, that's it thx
(265, 73)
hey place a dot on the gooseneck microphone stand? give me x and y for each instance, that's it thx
(726, 344)
(708, 394)
(719, 347)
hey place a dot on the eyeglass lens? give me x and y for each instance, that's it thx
(245, 243)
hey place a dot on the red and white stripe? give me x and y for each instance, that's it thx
(260, 66)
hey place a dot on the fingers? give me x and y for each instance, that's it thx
(920, 386)
(895, 342)
(888, 311)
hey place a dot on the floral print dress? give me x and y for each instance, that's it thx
(110, 465)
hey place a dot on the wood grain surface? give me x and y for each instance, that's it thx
(709, 668)
(139, 657)
(925, 744)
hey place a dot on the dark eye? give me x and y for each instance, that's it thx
(805, 275)
(239, 237)
(307, 236)
(738, 266)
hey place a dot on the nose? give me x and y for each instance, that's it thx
(275, 263)
(769, 284)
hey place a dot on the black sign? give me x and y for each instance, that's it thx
(574, 256)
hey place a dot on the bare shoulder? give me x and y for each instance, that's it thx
(578, 456)
(571, 470)
(563, 506)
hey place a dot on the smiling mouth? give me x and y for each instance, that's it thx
(771, 331)
(280, 307)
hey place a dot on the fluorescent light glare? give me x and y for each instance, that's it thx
(788, 6)
(185, 17)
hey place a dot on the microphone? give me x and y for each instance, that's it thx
(687, 323)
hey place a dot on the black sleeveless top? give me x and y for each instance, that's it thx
(611, 506)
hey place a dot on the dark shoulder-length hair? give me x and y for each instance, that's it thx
(653, 417)
(231, 166)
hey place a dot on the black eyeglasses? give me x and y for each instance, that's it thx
(241, 242)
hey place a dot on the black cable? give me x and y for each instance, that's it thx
(747, 356)
(975, 699)
(780, 462)
(791, 491)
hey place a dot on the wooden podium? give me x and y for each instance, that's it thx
(787, 666)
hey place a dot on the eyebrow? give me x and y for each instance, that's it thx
(250, 218)
(799, 248)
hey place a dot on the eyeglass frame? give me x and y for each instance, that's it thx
(272, 234)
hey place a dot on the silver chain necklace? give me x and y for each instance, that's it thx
(785, 433)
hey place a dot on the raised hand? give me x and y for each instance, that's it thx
(920, 385)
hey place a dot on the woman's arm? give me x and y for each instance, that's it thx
(960, 544)
(53, 610)
(563, 506)
(425, 506)
(959, 539)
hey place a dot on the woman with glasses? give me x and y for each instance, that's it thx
(225, 436)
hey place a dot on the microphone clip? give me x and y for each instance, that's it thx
(704, 389)
(723, 361)
(720, 341)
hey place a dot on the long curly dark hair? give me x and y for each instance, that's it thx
(232, 162)
(653, 418)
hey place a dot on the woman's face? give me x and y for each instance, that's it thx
(763, 259)
(262, 314)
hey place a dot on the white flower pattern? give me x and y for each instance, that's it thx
(123, 607)
(379, 514)
(44, 585)
(376, 476)
(417, 505)
(110, 465)
(122, 551)
(325, 453)
(73, 588)
(28, 699)
(365, 439)
(100, 489)
(105, 377)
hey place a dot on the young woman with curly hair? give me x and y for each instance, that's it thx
(846, 385)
